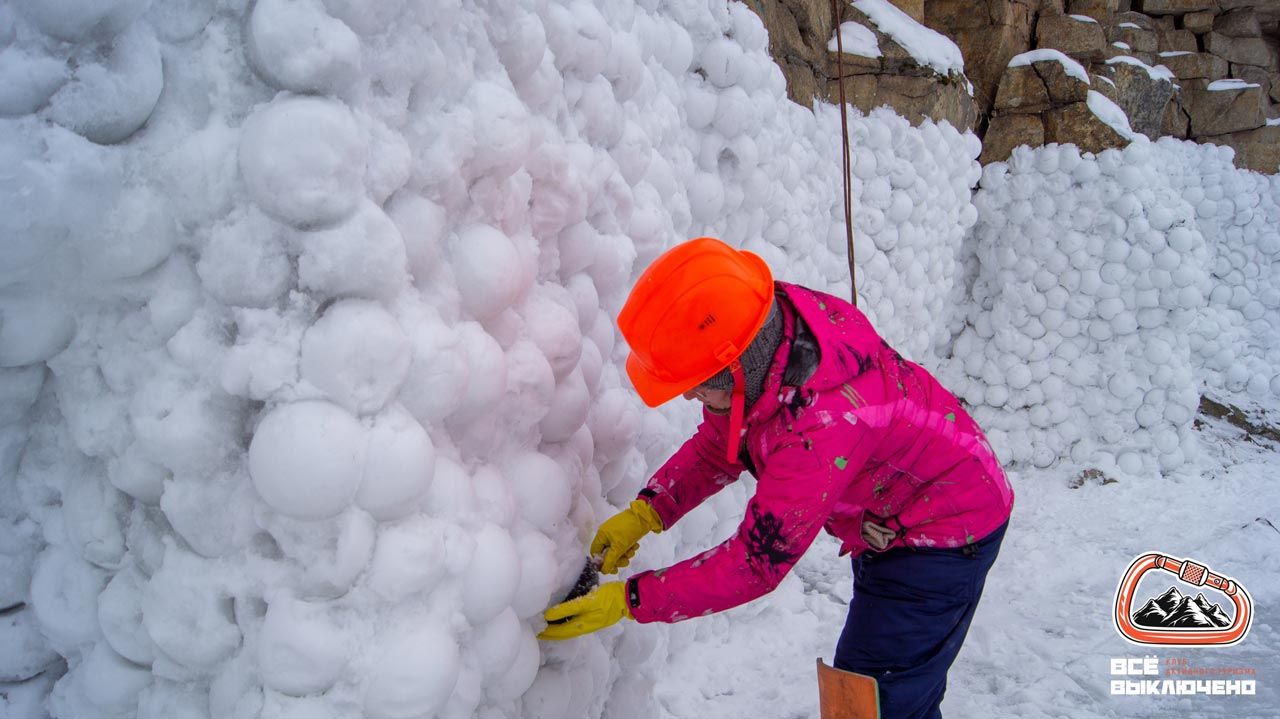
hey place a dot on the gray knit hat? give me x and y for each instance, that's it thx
(755, 359)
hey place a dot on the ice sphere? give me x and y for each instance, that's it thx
(301, 650)
(74, 20)
(111, 683)
(521, 42)
(706, 196)
(487, 379)
(496, 644)
(541, 490)
(568, 411)
(307, 459)
(504, 125)
(488, 270)
(183, 600)
(64, 596)
(438, 376)
(357, 354)
(549, 696)
(492, 577)
(538, 571)
(297, 46)
(108, 99)
(363, 256)
(722, 60)
(399, 467)
(516, 681)
(409, 559)
(303, 160)
(26, 650)
(245, 263)
(1130, 462)
(32, 330)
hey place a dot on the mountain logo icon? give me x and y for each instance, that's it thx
(1177, 619)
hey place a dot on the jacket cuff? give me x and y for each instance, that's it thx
(663, 504)
(634, 603)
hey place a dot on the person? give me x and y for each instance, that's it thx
(841, 432)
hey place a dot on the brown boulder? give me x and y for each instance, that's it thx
(1257, 150)
(1176, 7)
(1007, 132)
(1256, 75)
(1178, 41)
(1022, 90)
(1036, 87)
(1175, 122)
(1099, 10)
(1219, 112)
(1080, 39)
(1077, 124)
(1239, 50)
(1143, 94)
(914, 97)
(1196, 64)
(1137, 18)
(988, 34)
(914, 8)
(798, 34)
(1137, 39)
(1199, 22)
(1238, 23)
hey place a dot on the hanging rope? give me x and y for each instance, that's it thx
(837, 8)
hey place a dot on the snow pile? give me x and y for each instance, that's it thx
(1105, 291)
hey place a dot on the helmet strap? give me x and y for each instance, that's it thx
(737, 409)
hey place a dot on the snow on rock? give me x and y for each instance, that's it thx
(1106, 110)
(929, 47)
(856, 39)
(1071, 66)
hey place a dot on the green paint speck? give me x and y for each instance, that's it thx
(969, 539)
(841, 463)
(951, 417)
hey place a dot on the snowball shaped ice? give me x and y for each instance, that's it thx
(295, 45)
(416, 670)
(540, 488)
(492, 576)
(301, 650)
(488, 270)
(399, 466)
(307, 459)
(303, 160)
(109, 99)
(357, 354)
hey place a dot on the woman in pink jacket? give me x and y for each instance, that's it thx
(842, 433)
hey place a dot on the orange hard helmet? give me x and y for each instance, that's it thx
(691, 314)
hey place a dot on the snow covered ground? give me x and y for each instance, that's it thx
(311, 396)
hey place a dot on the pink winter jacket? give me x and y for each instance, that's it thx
(868, 435)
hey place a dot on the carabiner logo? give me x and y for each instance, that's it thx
(1175, 619)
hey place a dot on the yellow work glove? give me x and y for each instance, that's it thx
(619, 537)
(597, 610)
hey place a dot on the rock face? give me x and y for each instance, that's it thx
(1155, 59)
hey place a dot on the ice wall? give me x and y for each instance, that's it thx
(312, 391)
(1107, 292)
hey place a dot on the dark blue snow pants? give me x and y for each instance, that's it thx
(910, 612)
